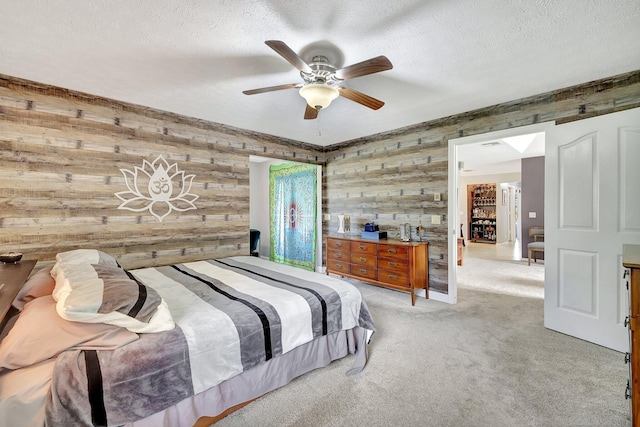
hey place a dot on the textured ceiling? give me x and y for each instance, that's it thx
(195, 57)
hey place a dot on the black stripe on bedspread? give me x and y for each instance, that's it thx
(142, 297)
(288, 282)
(266, 328)
(94, 386)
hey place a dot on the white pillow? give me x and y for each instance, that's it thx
(104, 293)
(81, 256)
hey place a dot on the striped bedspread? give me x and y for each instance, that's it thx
(231, 314)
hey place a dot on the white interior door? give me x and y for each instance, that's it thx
(592, 207)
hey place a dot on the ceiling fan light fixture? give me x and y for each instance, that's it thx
(319, 96)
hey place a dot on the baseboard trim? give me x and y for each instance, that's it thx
(438, 296)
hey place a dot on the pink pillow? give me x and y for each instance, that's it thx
(39, 284)
(40, 334)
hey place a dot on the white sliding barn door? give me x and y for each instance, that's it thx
(592, 207)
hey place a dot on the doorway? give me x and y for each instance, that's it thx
(259, 204)
(493, 154)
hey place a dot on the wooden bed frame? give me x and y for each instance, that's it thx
(207, 421)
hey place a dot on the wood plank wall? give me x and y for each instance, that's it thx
(391, 178)
(62, 152)
(60, 160)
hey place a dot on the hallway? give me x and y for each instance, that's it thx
(500, 251)
(500, 268)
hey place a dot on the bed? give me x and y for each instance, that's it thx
(168, 345)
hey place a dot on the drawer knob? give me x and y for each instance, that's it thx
(338, 254)
(339, 244)
(338, 265)
(392, 251)
(363, 271)
(363, 247)
(363, 259)
(393, 277)
(393, 264)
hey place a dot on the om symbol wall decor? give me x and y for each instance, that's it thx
(157, 187)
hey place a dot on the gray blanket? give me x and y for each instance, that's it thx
(231, 314)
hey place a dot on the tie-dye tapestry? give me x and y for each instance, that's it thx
(292, 199)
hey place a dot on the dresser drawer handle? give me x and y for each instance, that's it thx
(393, 277)
(338, 265)
(362, 259)
(393, 264)
(338, 254)
(363, 247)
(363, 271)
(338, 244)
(393, 251)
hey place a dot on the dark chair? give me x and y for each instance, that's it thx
(254, 238)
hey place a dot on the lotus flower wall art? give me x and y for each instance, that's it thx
(158, 187)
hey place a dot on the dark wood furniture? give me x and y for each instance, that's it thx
(386, 262)
(631, 261)
(13, 277)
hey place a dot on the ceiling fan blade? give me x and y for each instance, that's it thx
(361, 98)
(310, 113)
(370, 66)
(287, 53)
(271, 88)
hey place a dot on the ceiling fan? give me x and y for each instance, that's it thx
(323, 81)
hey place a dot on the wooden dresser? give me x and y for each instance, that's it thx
(631, 262)
(387, 262)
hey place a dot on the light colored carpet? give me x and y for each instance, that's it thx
(486, 361)
(507, 277)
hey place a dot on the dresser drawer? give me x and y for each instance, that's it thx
(338, 244)
(364, 260)
(397, 278)
(364, 271)
(393, 251)
(392, 264)
(338, 255)
(364, 248)
(337, 265)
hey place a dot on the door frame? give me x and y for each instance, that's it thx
(453, 184)
(259, 203)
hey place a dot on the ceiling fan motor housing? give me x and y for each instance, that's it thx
(323, 72)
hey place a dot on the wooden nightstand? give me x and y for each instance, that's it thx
(13, 276)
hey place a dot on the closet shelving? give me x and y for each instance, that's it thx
(482, 213)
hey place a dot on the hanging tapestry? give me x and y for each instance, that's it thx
(292, 200)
